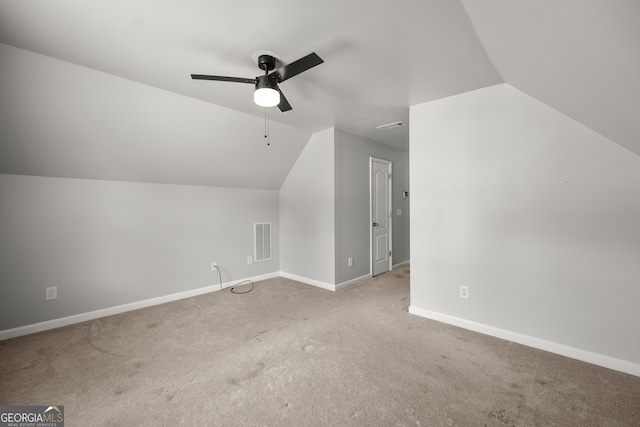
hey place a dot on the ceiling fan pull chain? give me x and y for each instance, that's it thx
(266, 127)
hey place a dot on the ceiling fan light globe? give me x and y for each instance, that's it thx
(266, 97)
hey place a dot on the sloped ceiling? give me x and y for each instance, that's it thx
(102, 90)
(380, 57)
(62, 120)
(581, 57)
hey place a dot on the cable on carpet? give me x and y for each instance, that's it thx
(234, 286)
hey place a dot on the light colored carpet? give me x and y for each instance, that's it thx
(288, 354)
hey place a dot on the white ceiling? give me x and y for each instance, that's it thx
(578, 56)
(581, 57)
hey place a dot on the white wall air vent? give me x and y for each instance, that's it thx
(262, 238)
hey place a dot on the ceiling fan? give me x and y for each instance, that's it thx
(267, 93)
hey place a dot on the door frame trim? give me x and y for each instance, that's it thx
(390, 234)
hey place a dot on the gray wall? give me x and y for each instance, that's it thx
(107, 243)
(352, 156)
(110, 243)
(307, 213)
(537, 214)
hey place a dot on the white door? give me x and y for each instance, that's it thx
(380, 216)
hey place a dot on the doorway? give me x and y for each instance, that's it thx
(380, 186)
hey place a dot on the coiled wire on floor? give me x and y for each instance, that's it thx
(232, 288)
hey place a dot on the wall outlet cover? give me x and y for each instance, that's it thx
(51, 293)
(464, 292)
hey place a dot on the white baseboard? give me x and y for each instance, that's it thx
(308, 281)
(403, 263)
(324, 285)
(552, 347)
(228, 285)
(353, 281)
(110, 311)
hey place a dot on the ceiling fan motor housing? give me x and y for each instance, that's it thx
(263, 82)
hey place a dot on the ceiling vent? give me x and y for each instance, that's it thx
(391, 125)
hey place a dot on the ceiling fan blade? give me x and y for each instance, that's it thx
(297, 67)
(284, 104)
(222, 78)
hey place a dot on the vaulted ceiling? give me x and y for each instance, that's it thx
(581, 57)
(102, 90)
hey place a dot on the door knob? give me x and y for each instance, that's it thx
(375, 224)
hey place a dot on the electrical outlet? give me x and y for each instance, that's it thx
(464, 292)
(350, 262)
(214, 265)
(51, 293)
(249, 259)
